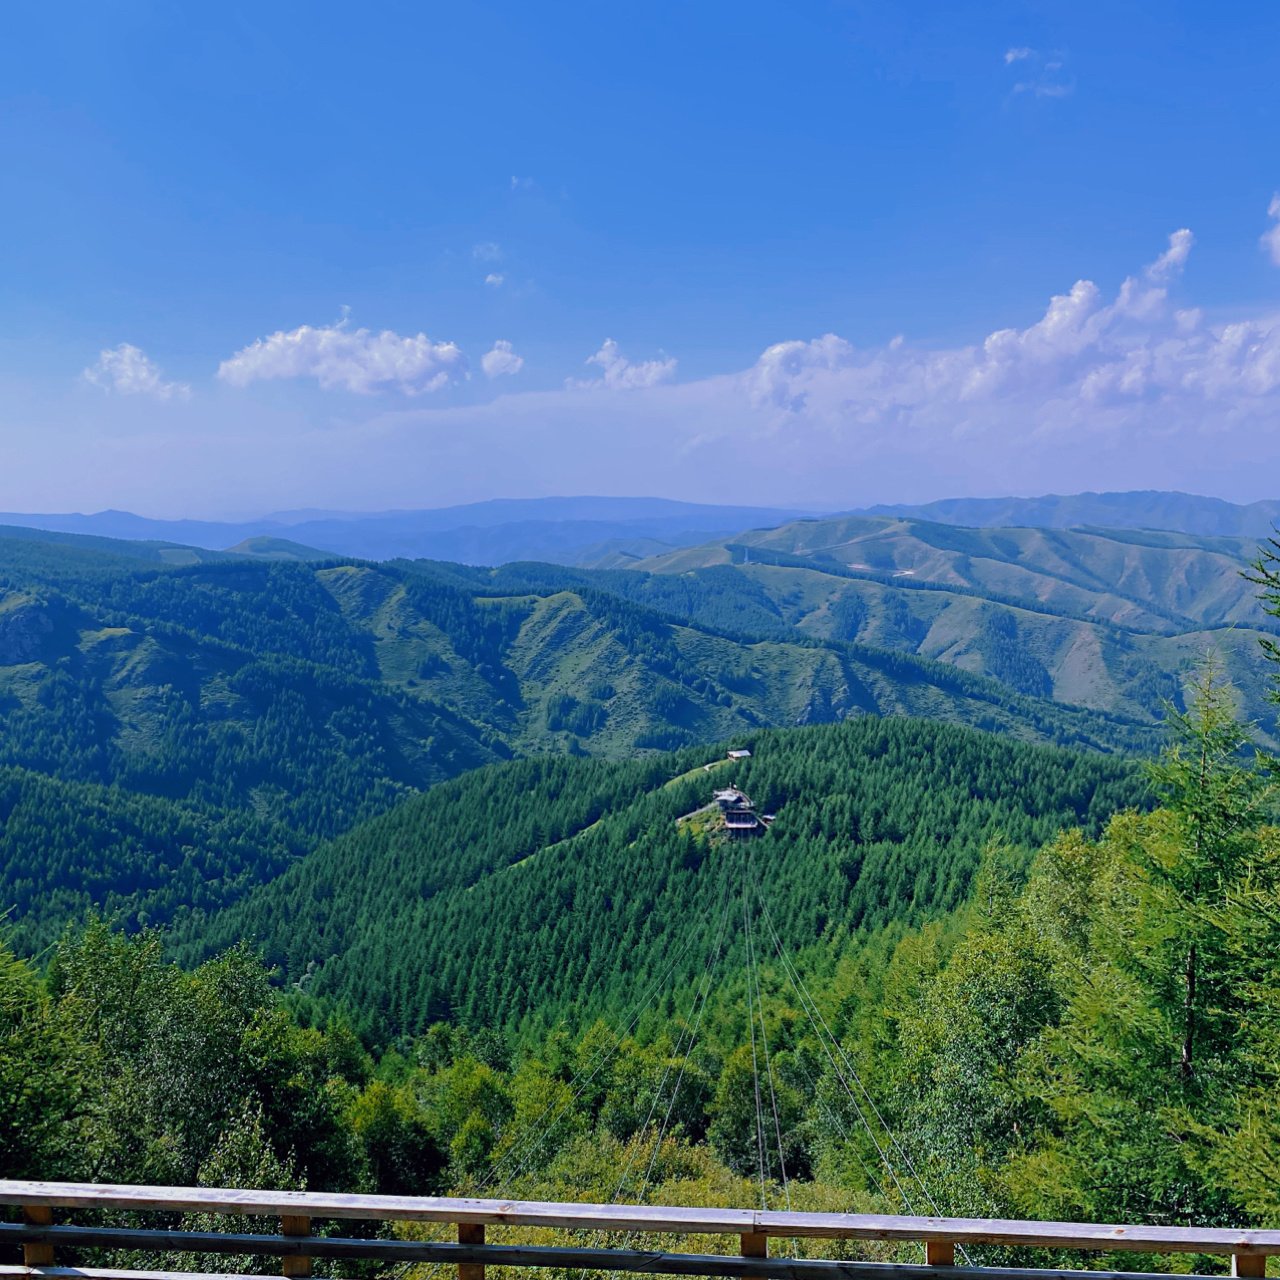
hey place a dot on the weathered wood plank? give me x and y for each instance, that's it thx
(755, 1244)
(939, 1253)
(1057, 1235)
(1248, 1264)
(386, 1208)
(653, 1218)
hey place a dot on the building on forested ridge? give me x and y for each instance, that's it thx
(740, 816)
(742, 820)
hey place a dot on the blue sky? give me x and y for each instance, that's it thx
(273, 255)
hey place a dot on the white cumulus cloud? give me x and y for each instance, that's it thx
(619, 372)
(1087, 363)
(494, 279)
(128, 371)
(1020, 53)
(338, 357)
(776, 374)
(1271, 237)
(501, 360)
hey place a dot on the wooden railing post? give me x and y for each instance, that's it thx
(471, 1233)
(755, 1244)
(37, 1255)
(939, 1253)
(293, 1224)
(1248, 1264)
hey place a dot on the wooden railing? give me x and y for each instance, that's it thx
(43, 1240)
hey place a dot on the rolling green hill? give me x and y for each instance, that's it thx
(1107, 619)
(561, 888)
(307, 697)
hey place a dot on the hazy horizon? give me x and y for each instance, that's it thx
(299, 515)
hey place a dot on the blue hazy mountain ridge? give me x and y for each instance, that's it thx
(1139, 509)
(558, 530)
(614, 532)
(147, 550)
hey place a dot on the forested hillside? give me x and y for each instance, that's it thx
(533, 892)
(69, 847)
(293, 700)
(207, 702)
(549, 976)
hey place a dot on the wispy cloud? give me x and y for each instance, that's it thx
(126, 370)
(619, 373)
(487, 251)
(495, 279)
(521, 184)
(1271, 237)
(350, 359)
(1045, 75)
(501, 361)
(1170, 263)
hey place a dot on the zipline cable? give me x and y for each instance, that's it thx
(755, 1067)
(528, 1146)
(805, 1002)
(701, 1000)
(799, 983)
(720, 934)
(638, 1009)
(768, 1061)
(838, 1122)
(515, 1161)
(722, 922)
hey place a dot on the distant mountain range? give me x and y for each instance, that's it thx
(1140, 509)
(555, 530)
(595, 532)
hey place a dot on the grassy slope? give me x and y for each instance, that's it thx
(1099, 618)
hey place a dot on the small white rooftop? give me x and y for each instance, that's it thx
(740, 754)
